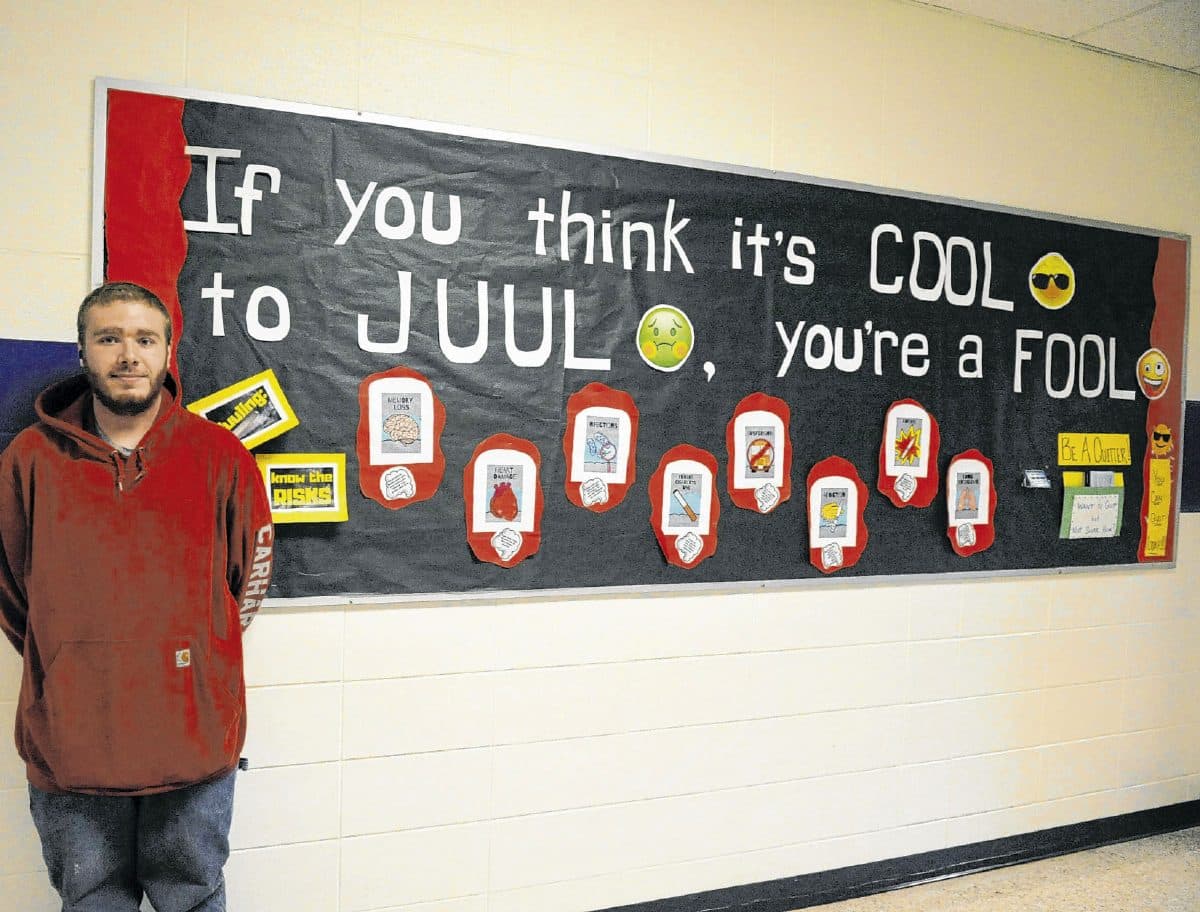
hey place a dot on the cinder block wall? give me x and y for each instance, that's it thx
(554, 755)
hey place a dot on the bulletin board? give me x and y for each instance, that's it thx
(510, 365)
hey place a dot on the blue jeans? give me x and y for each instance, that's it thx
(103, 852)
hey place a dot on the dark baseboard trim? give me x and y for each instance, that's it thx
(880, 876)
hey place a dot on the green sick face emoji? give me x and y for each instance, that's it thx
(664, 338)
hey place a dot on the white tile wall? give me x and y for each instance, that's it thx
(297, 877)
(307, 54)
(546, 703)
(1158, 701)
(608, 839)
(47, 223)
(414, 866)
(993, 824)
(12, 767)
(407, 641)
(29, 892)
(581, 772)
(977, 725)
(994, 781)
(463, 904)
(586, 105)
(1165, 647)
(1159, 754)
(1083, 711)
(1079, 767)
(414, 791)
(301, 647)
(410, 715)
(552, 755)
(286, 804)
(48, 277)
(1088, 654)
(294, 724)
(20, 850)
(10, 673)
(1091, 806)
(446, 83)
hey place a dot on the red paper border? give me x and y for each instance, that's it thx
(665, 541)
(145, 172)
(759, 402)
(985, 535)
(481, 542)
(1166, 334)
(592, 395)
(428, 476)
(829, 466)
(927, 487)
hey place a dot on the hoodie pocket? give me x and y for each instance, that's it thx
(132, 715)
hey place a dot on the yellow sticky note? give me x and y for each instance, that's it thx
(1158, 514)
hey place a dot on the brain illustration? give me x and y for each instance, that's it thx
(402, 428)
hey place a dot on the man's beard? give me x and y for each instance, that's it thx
(128, 406)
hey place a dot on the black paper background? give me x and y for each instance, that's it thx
(423, 549)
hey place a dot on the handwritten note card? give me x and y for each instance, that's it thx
(1091, 512)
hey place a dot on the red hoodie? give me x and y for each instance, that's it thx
(122, 581)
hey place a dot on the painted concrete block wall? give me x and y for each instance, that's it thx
(552, 755)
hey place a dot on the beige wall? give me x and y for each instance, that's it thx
(557, 755)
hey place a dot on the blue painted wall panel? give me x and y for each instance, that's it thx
(26, 368)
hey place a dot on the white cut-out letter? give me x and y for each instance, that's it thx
(539, 355)
(218, 294)
(210, 156)
(791, 343)
(254, 324)
(462, 354)
(249, 194)
(356, 209)
(876, 285)
(408, 220)
(570, 360)
(401, 343)
(974, 356)
(670, 229)
(443, 237)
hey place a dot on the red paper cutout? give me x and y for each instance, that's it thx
(670, 540)
(891, 486)
(493, 540)
(410, 482)
(846, 555)
(145, 172)
(592, 396)
(985, 532)
(773, 459)
(1167, 335)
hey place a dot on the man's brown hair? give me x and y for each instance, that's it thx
(111, 292)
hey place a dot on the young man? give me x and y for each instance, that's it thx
(135, 546)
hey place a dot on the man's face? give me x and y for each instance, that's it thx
(125, 354)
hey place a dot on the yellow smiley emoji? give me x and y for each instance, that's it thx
(1153, 373)
(1052, 281)
(1160, 441)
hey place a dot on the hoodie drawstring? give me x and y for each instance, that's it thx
(140, 464)
(121, 465)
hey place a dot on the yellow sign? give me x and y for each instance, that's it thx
(305, 487)
(1093, 449)
(255, 409)
(1158, 514)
